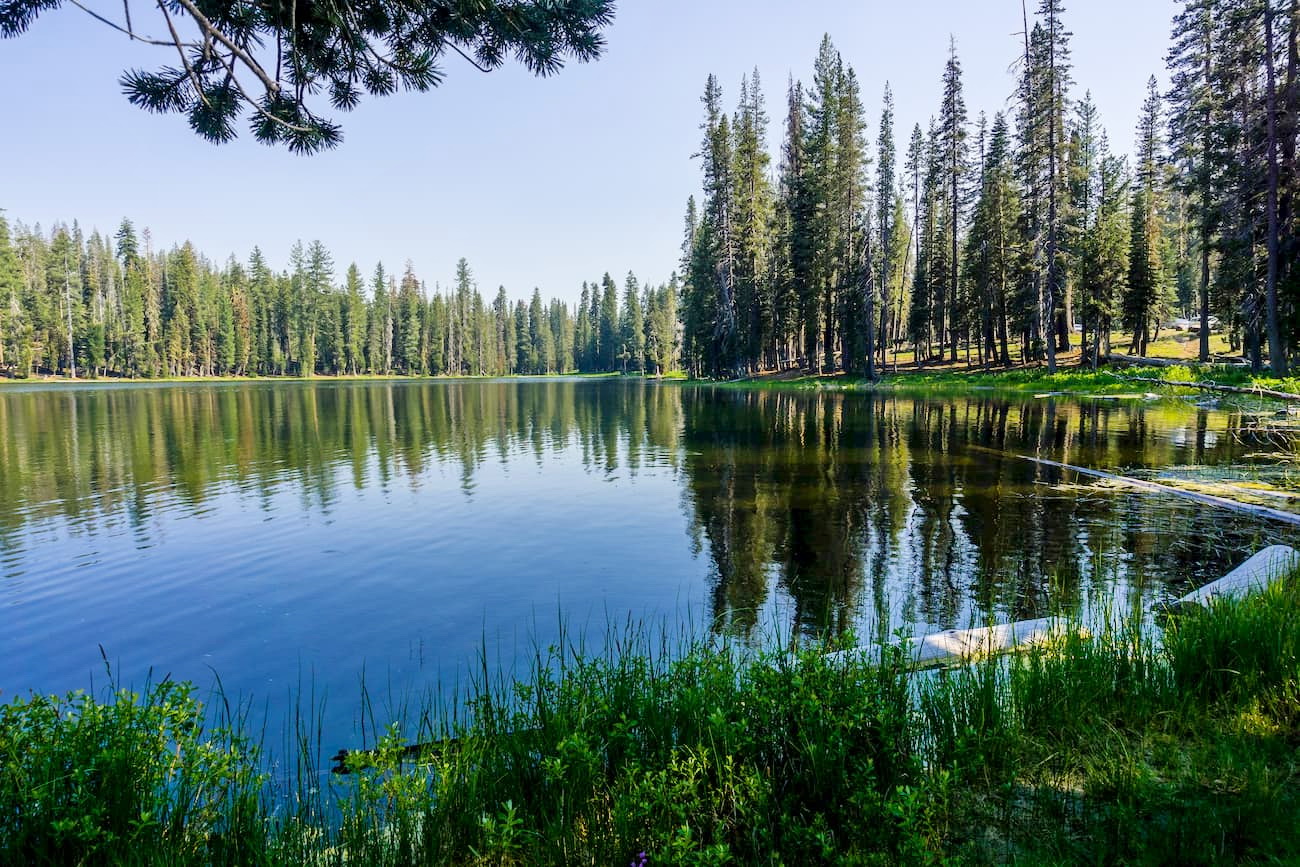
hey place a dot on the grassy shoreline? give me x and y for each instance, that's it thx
(1114, 748)
(943, 380)
(1033, 380)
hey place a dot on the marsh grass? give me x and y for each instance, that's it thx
(1123, 747)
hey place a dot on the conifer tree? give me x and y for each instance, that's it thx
(1196, 115)
(754, 294)
(583, 333)
(794, 220)
(632, 327)
(993, 255)
(886, 217)
(258, 62)
(953, 145)
(1144, 301)
(354, 321)
(609, 325)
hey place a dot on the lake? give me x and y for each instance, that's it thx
(293, 536)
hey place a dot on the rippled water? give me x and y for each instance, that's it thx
(284, 534)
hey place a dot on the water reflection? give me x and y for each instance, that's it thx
(835, 510)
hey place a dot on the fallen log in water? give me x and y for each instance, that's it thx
(1214, 386)
(1257, 573)
(955, 646)
(963, 645)
(1155, 487)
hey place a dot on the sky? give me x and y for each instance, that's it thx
(537, 182)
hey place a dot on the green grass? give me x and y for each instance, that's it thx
(1068, 380)
(1117, 748)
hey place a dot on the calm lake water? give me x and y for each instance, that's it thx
(287, 534)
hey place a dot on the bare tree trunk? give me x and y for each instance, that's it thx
(1050, 305)
(1276, 351)
(1204, 353)
(67, 299)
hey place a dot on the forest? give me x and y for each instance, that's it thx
(126, 310)
(1009, 238)
(995, 240)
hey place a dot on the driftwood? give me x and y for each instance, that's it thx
(962, 645)
(1214, 386)
(1141, 361)
(1144, 361)
(1254, 575)
(1155, 487)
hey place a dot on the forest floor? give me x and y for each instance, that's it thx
(1072, 376)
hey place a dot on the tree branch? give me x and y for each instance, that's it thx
(127, 30)
(212, 31)
(472, 62)
(176, 37)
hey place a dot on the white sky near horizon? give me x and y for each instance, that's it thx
(538, 182)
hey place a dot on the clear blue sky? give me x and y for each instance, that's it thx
(538, 182)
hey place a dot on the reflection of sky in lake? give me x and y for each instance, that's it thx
(286, 534)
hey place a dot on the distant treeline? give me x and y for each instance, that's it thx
(1001, 235)
(111, 306)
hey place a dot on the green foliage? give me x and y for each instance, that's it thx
(256, 60)
(138, 778)
(121, 311)
(1240, 650)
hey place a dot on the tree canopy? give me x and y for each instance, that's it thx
(1023, 228)
(278, 64)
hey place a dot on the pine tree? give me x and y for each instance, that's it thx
(856, 286)
(12, 327)
(713, 267)
(1144, 302)
(820, 297)
(1105, 265)
(541, 353)
(354, 324)
(754, 294)
(886, 218)
(1054, 75)
(583, 333)
(632, 327)
(609, 330)
(993, 257)
(952, 144)
(1196, 114)
(794, 217)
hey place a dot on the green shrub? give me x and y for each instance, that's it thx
(125, 780)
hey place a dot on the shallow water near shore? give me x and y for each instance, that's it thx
(295, 537)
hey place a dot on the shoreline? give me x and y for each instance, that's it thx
(712, 754)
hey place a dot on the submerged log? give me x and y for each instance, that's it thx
(346, 761)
